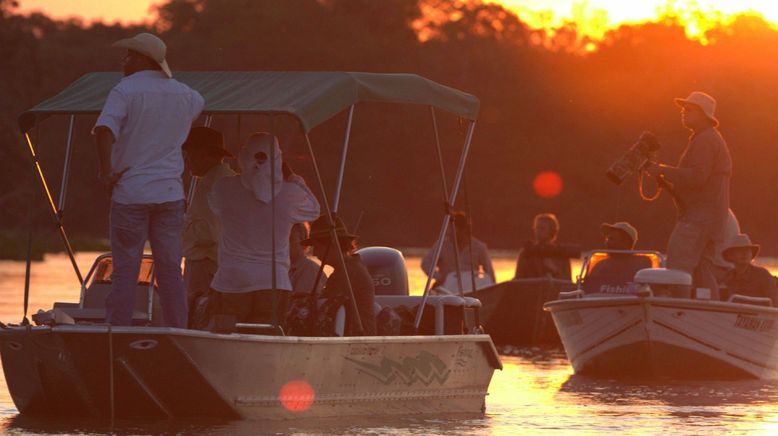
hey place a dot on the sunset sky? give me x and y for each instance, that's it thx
(593, 17)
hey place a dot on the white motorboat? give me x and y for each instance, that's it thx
(74, 365)
(648, 333)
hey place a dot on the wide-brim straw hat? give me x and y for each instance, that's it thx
(148, 45)
(702, 101)
(625, 227)
(207, 139)
(740, 241)
(320, 230)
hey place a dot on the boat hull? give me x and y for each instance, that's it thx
(634, 337)
(512, 311)
(67, 370)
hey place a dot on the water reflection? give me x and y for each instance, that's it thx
(535, 393)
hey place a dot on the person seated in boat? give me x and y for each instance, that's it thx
(336, 287)
(204, 155)
(745, 278)
(303, 271)
(472, 253)
(543, 256)
(614, 273)
(243, 206)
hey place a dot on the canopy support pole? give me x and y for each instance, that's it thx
(273, 274)
(193, 180)
(66, 170)
(446, 219)
(53, 207)
(445, 200)
(342, 169)
(335, 243)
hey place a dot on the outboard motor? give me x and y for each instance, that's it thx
(387, 267)
(663, 282)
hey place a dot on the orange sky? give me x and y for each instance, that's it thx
(593, 17)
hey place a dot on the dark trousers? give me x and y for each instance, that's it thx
(252, 307)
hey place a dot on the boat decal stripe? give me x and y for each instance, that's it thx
(675, 330)
(606, 339)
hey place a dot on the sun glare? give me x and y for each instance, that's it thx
(594, 18)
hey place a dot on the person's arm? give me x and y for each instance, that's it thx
(486, 261)
(306, 206)
(701, 161)
(106, 131)
(426, 263)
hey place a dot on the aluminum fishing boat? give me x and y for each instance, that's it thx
(73, 364)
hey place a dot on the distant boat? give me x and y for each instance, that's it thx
(74, 365)
(642, 335)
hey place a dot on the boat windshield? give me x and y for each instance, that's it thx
(613, 272)
(104, 269)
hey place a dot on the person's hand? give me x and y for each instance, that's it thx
(111, 178)
(653, 169)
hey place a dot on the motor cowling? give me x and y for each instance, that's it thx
(387, 268)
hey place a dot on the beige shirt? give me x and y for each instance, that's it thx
(200, 224)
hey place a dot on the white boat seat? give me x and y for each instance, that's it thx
(438, 304)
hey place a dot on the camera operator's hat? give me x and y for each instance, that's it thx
(740, 241)
(147, 45)
(206, 139)
(702, 101)
(624, 227)
(320, 230)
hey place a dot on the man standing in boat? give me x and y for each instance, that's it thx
(139, 132)
(700, 184)
(254, 209)
(204, 155)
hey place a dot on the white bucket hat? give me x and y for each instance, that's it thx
(149, 45)
(702, 101)
(740, 241)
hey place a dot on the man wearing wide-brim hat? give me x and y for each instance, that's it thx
(746, 278)
(355, 273)
(204, 155)
(700, 187)
(145, 119)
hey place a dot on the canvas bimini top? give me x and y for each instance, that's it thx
(311, 97)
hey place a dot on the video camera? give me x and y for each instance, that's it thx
(635, 159)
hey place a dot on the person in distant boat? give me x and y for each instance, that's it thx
(473, 254)
(700, 188)
(746, 278)
(204, 155)
(243, 205)
(303, 271)
(614, 273)
(139, 132)
(541, 257)
(336, 288)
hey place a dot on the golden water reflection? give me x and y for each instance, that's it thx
(535, 392)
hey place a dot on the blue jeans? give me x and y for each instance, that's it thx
(162, 225)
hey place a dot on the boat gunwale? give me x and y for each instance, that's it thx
(665, 302)
(246, 337)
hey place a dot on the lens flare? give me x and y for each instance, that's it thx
(547, 184)
(297, 396)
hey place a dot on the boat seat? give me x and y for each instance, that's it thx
(97, 286)
(443, 314)
(612, 271)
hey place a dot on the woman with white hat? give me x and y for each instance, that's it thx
(746, 278)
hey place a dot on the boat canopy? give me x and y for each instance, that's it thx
(311, 97)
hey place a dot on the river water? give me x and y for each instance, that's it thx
(536, 392)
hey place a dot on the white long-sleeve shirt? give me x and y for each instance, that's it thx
(150, 116)
(244, 227)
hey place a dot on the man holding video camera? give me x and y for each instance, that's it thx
(700, 188)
